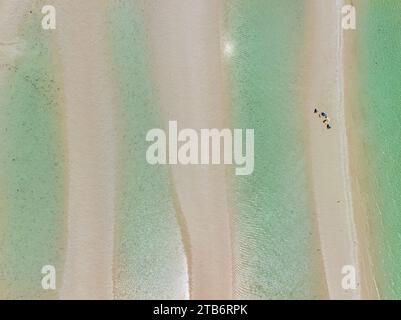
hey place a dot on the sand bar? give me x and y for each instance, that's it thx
(186, 45)
(91, 179)
(330, 172)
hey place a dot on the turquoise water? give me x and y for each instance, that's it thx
(275, 255)
(31, 169)
(149, 252)
(379, 74)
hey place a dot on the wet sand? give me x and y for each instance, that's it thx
(357, 169)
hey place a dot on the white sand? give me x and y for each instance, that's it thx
(88, 107)
(185, 38)
(329, 148)
(11, 20)
(11, 17)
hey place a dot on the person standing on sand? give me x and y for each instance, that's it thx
(325, 116)
(327, 122)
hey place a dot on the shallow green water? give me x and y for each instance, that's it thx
(379, 74)
(275, 245)
(149, 253)
(31, 169)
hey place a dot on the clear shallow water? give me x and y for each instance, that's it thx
(379, 75)
(274, 240)
(31, 169)
(150, 261)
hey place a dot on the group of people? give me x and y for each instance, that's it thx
(326, 119)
